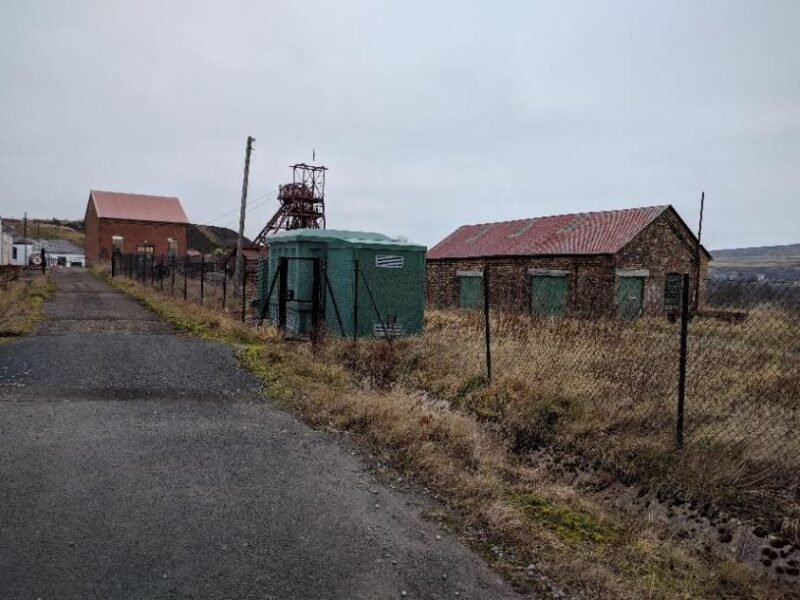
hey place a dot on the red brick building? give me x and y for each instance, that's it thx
(620, 262)
(133, 224)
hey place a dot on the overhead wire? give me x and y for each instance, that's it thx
(266, 198)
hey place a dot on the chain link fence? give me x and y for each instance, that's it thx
(705, 396)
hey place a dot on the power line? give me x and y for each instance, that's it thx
(269, 196)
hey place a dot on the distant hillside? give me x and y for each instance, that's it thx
(763, 262)
(50, 229)
(208, 239)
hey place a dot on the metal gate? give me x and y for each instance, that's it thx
(294, 300)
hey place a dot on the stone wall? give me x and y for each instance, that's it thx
(590, 280)
(665, 246)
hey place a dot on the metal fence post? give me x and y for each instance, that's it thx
(487, 327)
(161, 274)
(283, 283)
(316, 295)
(113, 264)
(244, 288)
(682, 361)
(185, 275)
(202, 276)
(355, 301)
(172, 276)
(224, 283)
(152, 270)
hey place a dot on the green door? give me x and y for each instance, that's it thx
(629, 297)
(548, 295)
(470, 291)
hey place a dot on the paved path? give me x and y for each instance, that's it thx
(136, 463)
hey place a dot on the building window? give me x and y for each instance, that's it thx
(172, 247)
(672, 290)
(116, 244)
(14, 253)
(145, 249)
(470, 289)
(548, 295)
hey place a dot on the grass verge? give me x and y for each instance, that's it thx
(542, 535)
(21, 299)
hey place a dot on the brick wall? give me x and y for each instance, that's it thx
(91, 242)
(134, 233)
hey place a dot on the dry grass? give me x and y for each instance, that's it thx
(21, 297)
(609, 389)
(48, 230)
(507, 510)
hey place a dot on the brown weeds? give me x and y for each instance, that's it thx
(512, 513)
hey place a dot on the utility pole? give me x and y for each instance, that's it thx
(25, 236)
(698, 249)
(237, 273)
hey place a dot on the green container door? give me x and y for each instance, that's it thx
(548, 295)
(470, 291)
(630, 292)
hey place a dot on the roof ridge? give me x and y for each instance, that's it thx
(132, 194)
(585, 212)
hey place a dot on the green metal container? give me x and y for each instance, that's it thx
(387, 300)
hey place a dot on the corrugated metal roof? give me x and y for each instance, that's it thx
(605, 232)
(138, 207)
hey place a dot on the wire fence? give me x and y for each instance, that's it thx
(704, 396)
(206, 281)
(709, 394)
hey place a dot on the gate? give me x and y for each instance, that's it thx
(293, 299)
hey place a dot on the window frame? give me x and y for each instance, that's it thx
(472, 276)
(672, 297)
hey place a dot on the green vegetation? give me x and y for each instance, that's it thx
(570, 524)
(513, 513)
(51, 229)
(21, 300)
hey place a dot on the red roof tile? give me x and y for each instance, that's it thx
(138, 207)
(605, 232)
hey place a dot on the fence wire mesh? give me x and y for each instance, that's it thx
(594, 365)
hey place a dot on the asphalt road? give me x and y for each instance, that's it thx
(137, 463)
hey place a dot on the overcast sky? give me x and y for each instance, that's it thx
(429, 114)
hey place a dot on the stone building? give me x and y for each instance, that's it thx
(133, 224)
(620, 262)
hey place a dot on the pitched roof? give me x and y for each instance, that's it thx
(138, 207)
(605, 232)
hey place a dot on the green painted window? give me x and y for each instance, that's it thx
(548, 295)
(672, 290)
(630, 291)
(470, 291)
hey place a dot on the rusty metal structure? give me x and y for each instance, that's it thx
(302, 203)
